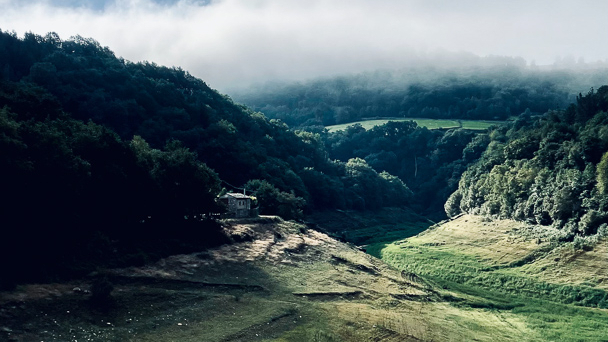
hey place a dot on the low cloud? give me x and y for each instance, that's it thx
(229, 43)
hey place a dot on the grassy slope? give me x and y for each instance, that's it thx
(280, 282)
(508, 266)
(428, 123)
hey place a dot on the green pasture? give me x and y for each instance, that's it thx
(428, 123)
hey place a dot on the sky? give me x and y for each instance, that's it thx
(233, 43)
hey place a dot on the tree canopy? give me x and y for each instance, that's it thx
(111, 153)
(550, 170)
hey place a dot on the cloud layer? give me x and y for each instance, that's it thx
(234, 42)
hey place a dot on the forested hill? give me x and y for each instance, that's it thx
(481, 93)
(160, 104)
(100, 156)
(551, 170)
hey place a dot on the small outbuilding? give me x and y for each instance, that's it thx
(238, 205)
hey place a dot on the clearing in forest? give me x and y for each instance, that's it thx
(428, 123)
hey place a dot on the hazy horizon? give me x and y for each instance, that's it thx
(231, 43)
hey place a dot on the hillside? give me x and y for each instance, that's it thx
(430, 162)
(363, 228)
(491, 92)
(44, 76)
(276, 281)
(558, 290)
(551, 170)
(111, 152)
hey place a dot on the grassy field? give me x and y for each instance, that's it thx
(280, 282)
(428, 123)
(558, 292)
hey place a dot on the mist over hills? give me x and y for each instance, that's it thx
(491, 88)
(230, 43)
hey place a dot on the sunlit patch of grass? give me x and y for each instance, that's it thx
(422, 122)
(479, 124)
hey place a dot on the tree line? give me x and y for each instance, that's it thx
(430, 162)
(548, 170)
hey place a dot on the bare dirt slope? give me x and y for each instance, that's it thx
(278, 281)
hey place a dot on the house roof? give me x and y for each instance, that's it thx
(235, 195)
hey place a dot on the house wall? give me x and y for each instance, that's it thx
(239, 207)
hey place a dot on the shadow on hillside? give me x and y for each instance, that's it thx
(365, 228)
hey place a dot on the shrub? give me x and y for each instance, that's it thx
(101, 292)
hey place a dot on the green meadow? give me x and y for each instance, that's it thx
(428, 123)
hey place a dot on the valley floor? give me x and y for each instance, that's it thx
(277, 281)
